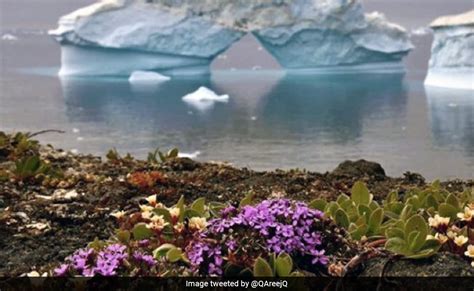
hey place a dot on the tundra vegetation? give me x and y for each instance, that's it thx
(258, 234)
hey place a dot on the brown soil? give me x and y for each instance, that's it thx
(41, 226)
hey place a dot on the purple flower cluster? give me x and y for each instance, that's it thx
(201, 252)
(281, 224)
(140, 257)
(85, 262)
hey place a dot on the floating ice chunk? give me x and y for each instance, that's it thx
(147, 77)
(189, 155)
(9, 37)
(420, 31)
(205, 94)
(455, 78)
(75, 130)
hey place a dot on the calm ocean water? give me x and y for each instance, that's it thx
(272, 120)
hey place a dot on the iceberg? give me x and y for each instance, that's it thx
(146, 77)
(205, 94)
(452, 54)
(117, 37)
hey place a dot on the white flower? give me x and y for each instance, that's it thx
(438, 236)
(438, 220)
(460, 240)
(467, 215)
(157, 222)
(174, 211)
(147, 215)
(470, 251)
(118, 214)
(197, 223)
(146, 208)
(179, 227)
(451, 234)
(151, 200)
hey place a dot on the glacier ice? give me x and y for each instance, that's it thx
(452, 53)
(184, 36)
(147, 77)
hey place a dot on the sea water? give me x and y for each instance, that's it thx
(273, 119)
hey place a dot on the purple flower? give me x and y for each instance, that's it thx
(146, 259)
(279, 225)
(319, 257)
(62, 270)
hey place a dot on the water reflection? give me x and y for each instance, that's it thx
(452, 118)
(263, 105)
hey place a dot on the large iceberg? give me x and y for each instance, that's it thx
(184, 36)
(452, 53)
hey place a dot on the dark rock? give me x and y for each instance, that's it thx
(439, 265)
(358, 169)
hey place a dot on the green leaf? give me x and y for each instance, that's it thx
(283, 265)
(261, 268)
(359, 232)
(140, 231)
(375, 220)
(364, 211)
(180, 206)
(162, 250)
(360, 194)
(392, 197)
(199, 205)
(422, 254)
(247, 200)
(453, 201)
(342, 198)
(331, 208)
(341, 218)
(447, 210)
(396, 245)
(173, 153)
(188, 213)
(123, 236)
(174, 255)
(215, 208)
(406, 212)
(395, 232)
(318, 204)
(163, 212)
(416, 224)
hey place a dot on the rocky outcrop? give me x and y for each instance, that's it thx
(176, 36)
(452, 52)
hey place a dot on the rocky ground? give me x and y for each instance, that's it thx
(45, 219)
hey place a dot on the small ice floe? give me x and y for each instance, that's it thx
(9, 37)
(80, 138)
(260, 48)
(147, 77)
(189, 155)
(255, 68)
(222, 57)
(204, 99)
(205, 94)
(452, 105)
(253, 118)
(75, 130)
(74, 151)
(420, 31)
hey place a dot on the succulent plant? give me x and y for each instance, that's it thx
(411, 239)
(276, 266)
(359, 214)
(163, 157)
(29, 167)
